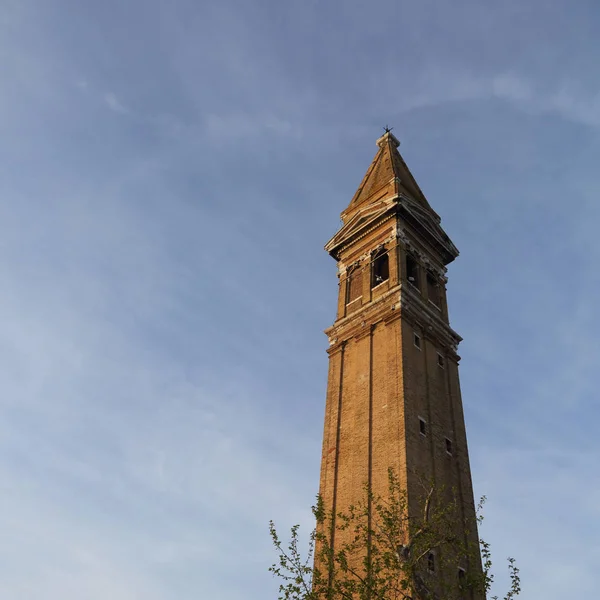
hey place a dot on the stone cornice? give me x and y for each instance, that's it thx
(417, 311)
(370, 314)
(402, 301)
(367, 256)
(387, 211)
(429, 228)
(355, 238)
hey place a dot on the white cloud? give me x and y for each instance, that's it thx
(565, 99)
(115, 104)
(511, 87)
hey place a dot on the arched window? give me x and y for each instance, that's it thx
(353, 284)
(412, 270)
(381, 268)
(433, 289)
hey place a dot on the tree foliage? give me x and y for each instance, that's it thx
(381, 552)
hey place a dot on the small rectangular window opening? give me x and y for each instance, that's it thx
(431, 562)
(412, 270)
(449, 446)
(433, 289)
(417, 341)
(381, 269)
(462, 582)
(422, 426)
(440, 360)
(462, 579)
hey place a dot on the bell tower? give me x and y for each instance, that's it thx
(393, 394)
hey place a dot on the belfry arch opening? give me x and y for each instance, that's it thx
(412, 270)
(433, 289)
(380, 269)
(353, 284)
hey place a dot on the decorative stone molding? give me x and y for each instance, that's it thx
(436, 272)
(385, 215)
(376, 251)
(420, 314)
(401, 235)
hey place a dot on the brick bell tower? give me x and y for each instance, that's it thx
(393, 394)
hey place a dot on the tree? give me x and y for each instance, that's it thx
(383, 553)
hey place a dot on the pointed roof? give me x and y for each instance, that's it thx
(389, 188)
(388, 176)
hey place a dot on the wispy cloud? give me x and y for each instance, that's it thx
(115, 104)
(566, 99)
(451, 85)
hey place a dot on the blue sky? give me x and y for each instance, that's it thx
(169, 173)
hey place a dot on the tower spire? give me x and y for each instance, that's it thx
(387, 177)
